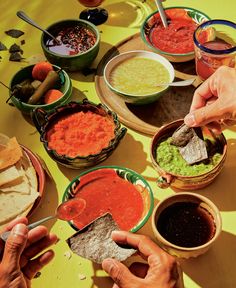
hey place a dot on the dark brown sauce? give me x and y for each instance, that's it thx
(186, 224)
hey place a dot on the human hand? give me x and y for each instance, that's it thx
(17, 266)
(214, 100)
(160, 272)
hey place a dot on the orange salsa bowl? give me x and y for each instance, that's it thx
(112, 189)
(79, 134)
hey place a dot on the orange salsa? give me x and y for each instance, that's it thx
(82, 133)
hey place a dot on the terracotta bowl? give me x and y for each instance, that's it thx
(183, 12)
(128, 175)
(26, 72)
(44, 120)
(168, 179)
(204, 203)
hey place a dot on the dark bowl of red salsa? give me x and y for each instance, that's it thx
(77, 47)
(117, 190)
(176, 41)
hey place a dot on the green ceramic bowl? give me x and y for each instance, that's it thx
(44, 120)
(26, 72)
(128, 175)
(181, 12)
(71, 62)
(134, 98)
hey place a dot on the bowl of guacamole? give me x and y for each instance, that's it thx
(172, 168)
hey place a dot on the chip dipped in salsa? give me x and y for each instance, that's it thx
(105, 191)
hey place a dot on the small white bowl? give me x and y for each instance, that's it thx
(132, 98)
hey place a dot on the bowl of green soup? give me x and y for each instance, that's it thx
(139, 77)
(172, 168)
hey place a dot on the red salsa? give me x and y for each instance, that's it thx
(178, 36)
(104, 191)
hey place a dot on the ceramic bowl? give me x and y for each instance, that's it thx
(130, 176)
(202, 202)
(71, 62)
(25, 73)
(167, 179)
(134, 98)
(174, 12)
(44, 120)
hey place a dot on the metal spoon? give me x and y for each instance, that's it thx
(65, 212)
(26, 18)
(179, 83)
(162, 13)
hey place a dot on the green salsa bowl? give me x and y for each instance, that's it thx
(135, 76)
(177, 173)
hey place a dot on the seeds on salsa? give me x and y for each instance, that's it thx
(169, 158)
(81, 134)
(73, 40)
(139, 76)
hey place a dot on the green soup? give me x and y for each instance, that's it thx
(139, 76)
(169, 159)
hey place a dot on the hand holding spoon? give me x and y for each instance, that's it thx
(66, 211)
(26, 18)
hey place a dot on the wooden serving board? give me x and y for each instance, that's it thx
(147, 119)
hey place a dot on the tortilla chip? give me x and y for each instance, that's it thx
(190, 143)
(13, 204)
(15, 48)
(15, 56)
(11, 154)
(2, 46)
(94, 242)
(8, 175)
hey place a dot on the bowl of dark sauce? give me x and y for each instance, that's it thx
(76, 47)
(186, 224)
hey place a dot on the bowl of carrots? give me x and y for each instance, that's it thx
(41, 85)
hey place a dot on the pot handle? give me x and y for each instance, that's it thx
(39, 117)
(164, 181)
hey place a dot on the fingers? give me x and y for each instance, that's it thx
(142, 243)
(120, 274)
(14, 247)
(205, 115)
(37, 247)
(37, 264)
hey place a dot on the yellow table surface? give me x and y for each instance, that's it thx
(214, 269)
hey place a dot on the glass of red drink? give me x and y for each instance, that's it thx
(215, 45)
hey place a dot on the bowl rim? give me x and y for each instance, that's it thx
(33, 106)
(155, 57)
(120, 168)
(161, 51)
(199, 197)
(104, 151)
(91, 27)
(212, 22)
(156, 164)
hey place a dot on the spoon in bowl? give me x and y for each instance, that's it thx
(26, 18)
(162, 13)
(178, 83)
(66, 212)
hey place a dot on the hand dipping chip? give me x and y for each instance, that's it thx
(66, 211)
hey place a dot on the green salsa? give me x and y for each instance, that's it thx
(169, 159)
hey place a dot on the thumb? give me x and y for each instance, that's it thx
(204, 115)
(14, 247)
(120, 273)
